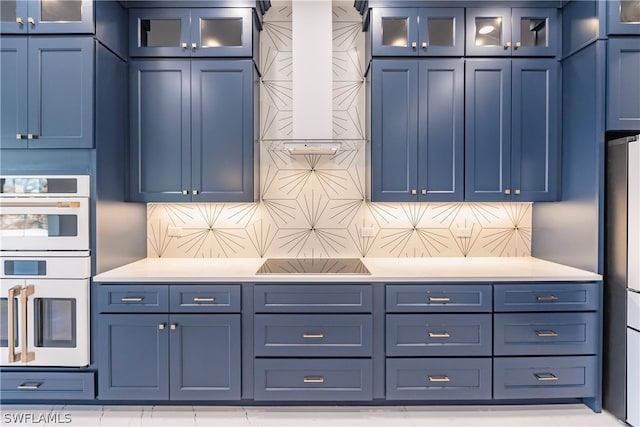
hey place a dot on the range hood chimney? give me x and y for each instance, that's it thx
(312, 25)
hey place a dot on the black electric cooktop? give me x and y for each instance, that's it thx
(313, 266)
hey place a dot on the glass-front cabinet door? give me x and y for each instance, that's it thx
(489, 31)
(221, 32)
(394, 31)
(159, 32)
(624, 16)
(47, 16)
(534, 31)
(441, 31)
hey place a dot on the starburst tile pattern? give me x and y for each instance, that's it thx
(315, 205)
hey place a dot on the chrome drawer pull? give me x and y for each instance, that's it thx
(204, 299)
(439, 379)
(547, 298)
(439, 335)
(546, 333)
(312, 335)
(546, 377)
(439, 299)
(314, 380)
(29, 386)
(132, 299)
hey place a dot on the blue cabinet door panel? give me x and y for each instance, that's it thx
(488, 129)
(623, 84)
(134, 357)
(438, 335)
(545, 377)
(205, 357)
(394, 43)
(620, 19)
(61, 86)
(394, 130)
(150, 31)
(222, 138)
(208, 46)
(61, 17)
(535, 129)
(12, 11)
(441, 130)
(439, 378)
(160, 130)
(429, 16)
(541, 40)
(488, 31)
(14, 94)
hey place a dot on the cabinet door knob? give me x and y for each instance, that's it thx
(517, 191)
(507, 191)
(425, 45)
(19, 20)
(414, 192)
(518, 44)
(161, 326)
(194, 45)
(414, 45)
(185, 192)
(183, 45)
(19, 136)
(173, 326)
(195, 192)
(31, 21)
(423, 191)
(507, 45)
(32, 136)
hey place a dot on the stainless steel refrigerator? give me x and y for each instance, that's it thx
(621, 382)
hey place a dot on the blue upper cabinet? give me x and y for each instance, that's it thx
(198, 146)
(417, 130)
(624, 16)
(417, 32)
(179, 32)
(47, 92)
(512, 32)
(512, 130)
(623, 84)
(46, 17)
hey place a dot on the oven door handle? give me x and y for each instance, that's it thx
(40, 204)
(25, 292)
(13, 356)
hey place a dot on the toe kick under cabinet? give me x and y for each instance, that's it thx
(386, 343)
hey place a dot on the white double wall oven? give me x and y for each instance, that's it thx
(45, 268)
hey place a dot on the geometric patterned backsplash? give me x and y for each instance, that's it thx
(314, 206)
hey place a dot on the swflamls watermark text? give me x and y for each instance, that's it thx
(31, 418)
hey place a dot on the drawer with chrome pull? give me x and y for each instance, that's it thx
(438, 298)
(310, 298)
(547, 297)
(313, 335)
(133, 298)
(439, 378)
(313, 379)
(47, 385)
(204, 298)
(544, 377)
(545, 333)
(438, 335)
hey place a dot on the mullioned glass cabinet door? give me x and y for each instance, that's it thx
(624, 16)
(159, 32)
(221, 32)
(46, 17)
(394, 31)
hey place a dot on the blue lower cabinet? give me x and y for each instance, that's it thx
(313, 379)
(545, 377)
(547, 296)
(439, 379)
(313, 298)
(47, 386)
(336, 335)
(162, 357)
(438, 298)
(532, 334)
(438, 335)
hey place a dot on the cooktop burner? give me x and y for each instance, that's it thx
(313, 266)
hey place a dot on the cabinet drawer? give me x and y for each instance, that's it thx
(547, 297)
(437, 379)
(313, 379)
(204, 298)
(47, 385)
(313, 335)
(438, 298)
(312, 298)
(133, 298)
(544, 377)
(438, 335)
(546, 333)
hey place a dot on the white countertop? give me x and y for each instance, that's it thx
(227, 270)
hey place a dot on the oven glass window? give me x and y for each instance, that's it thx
(38, 185)
(4, 324)
(55, 320)
(38, 225)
